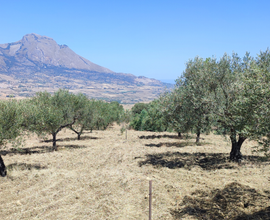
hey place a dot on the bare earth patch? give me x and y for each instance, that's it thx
(104, 176)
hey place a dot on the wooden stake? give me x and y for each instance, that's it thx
(150, 199)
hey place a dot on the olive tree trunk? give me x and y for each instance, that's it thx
(3, 171)
(198, 137)
(235, 154)
(54, 141)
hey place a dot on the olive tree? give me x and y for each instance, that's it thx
(85, 116)
(240, 88)
(215, 90)
(257, 98)
(231, 92)
(197, 102)
(106, 114)
(11, 115)
(173, 111)
(188, 107)
(231, 112)
(51, 113)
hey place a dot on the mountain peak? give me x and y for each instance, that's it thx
(41, 50)
(36, 38)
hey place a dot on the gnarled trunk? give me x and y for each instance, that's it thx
(198, 137)
(235, 154)
(3, 171)
(54, 141)
(79, 133)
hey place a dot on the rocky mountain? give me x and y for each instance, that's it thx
(37, 63)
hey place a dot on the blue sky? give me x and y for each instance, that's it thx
(152, 38)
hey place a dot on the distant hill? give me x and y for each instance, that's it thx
(38, 63)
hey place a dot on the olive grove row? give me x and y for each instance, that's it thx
(229, 96)
(48, 113)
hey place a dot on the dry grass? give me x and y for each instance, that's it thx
(104, 176)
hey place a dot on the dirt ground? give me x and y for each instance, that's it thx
(105, 176)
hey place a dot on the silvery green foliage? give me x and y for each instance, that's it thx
(106, 114)
(85, 116)
(230, 94)
(257, 99)
(189, 106)
(11, 113)
(49, 114)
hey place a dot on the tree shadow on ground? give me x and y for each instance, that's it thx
(38, 149)
(71, 139)
(176, 144)
(207, 161)
(164, 136)
(159, 136)
(28, 150)
(25, 166)
(235, 201)
(71, 146)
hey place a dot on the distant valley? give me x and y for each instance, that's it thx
(37, 63)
